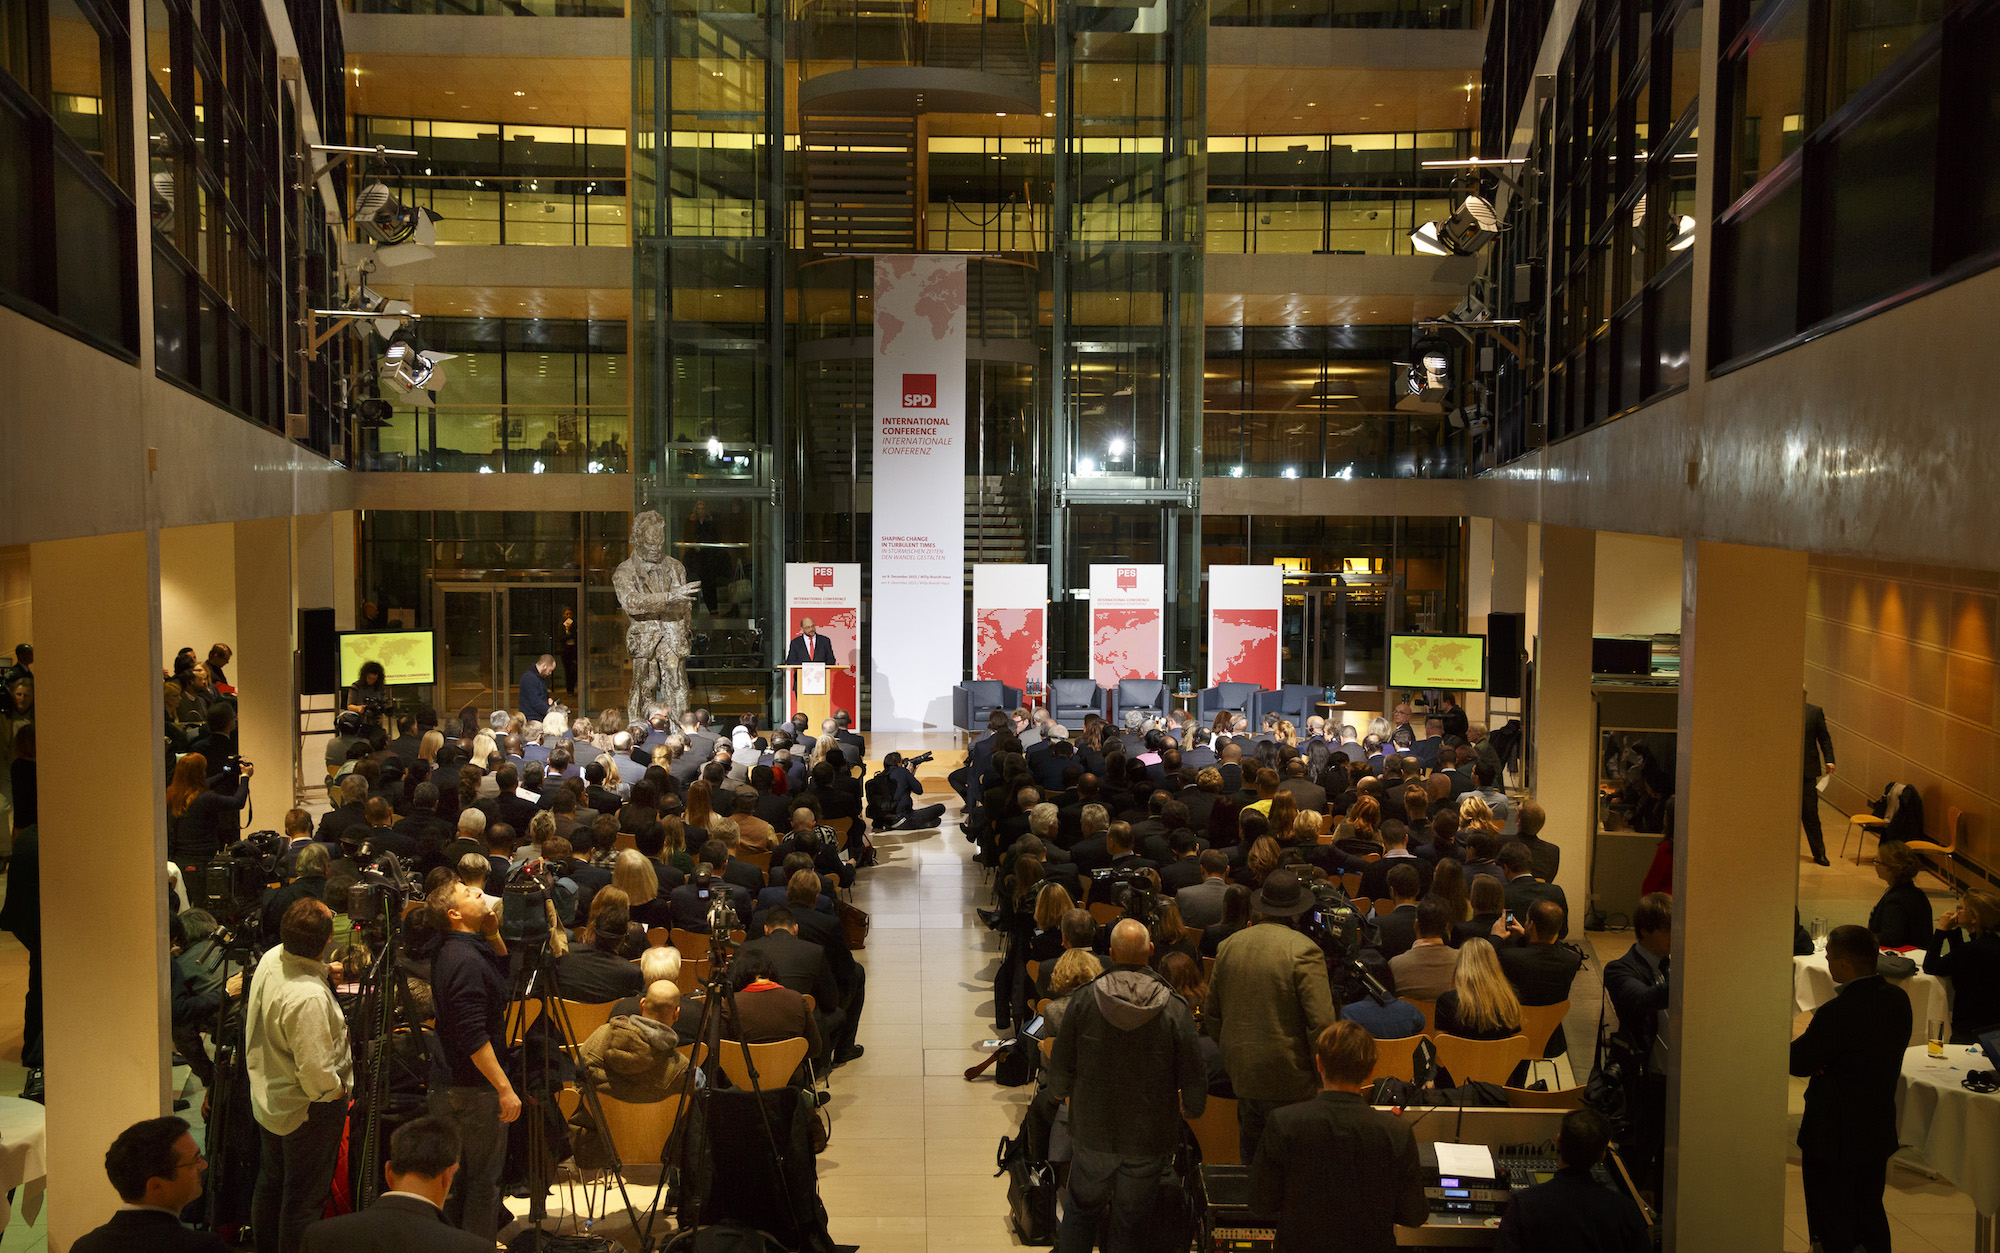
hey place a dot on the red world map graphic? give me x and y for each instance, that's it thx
(1244, 646)
(1124, 644)
(1007, 645)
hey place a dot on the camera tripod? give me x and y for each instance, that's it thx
(228, 1106)
(384, 1013)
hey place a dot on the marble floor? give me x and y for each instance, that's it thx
(910, 1165)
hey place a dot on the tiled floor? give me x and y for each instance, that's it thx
(910, 1164)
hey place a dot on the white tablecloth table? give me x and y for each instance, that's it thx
(1813, 986)
(1954, 1129)
(23, 1137)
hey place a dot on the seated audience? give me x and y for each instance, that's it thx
(1901, 917)
(1480, 1004)
(598, 971)
(1971, 960)
(1426, 971)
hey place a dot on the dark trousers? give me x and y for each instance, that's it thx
(1106, 1181)
(474, 1204)
(916, 818)
(1809, 817)
(857, 998)
(194, 882)
(1251, 1115)
(294, 1177)
(31, 1011)
(1844, 1201)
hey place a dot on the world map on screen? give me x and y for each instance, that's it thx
(1008, 645)
(1124, 644)
(1455, 663)
(1244, 645)
(405, 655)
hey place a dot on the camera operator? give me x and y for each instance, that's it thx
(369, 694)
(1268, 1000)
(1125, 1049)
(295, 1048)
(904, 789)
(468, 1085)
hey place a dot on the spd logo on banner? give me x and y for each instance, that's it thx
(920, 391)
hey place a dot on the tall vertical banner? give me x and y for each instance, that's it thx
(830, 594)
(1243, 607)
(919, 575)
(1127, 605)
(1010, 605)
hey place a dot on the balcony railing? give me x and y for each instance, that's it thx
(501, 439)
(993, 36)
(517, 210)
(1341, 219)
(1350, 14)
(1303, 444)
(493, 8)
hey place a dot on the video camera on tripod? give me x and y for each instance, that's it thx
(1131, 890)
(235, 880)
(1337, 927)
(387, 879)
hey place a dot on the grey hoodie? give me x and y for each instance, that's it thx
(1121, 1056)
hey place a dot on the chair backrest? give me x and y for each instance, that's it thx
(1396, 1058)
(985, 694)
(1560, 1098)
(1430, 1011)
(584, 1017)
(692, 944)
(1484, 1061)
(1234, 695)
(1954, 818)
(775, 1061)
(1106, 913)
(639, 1131)
(521, 1015)
(1208, 968)
(694, 972)
(839, 826)
(1539, 1022)
(1216, 1132)
(760, 860)
(1074, 693)
(1034, 970)
(1142, 694)
(658, 937)
(1351, 882)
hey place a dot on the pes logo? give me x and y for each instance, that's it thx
(1128, 578)
(920, 391)
(822, 577)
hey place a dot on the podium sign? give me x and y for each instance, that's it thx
(799, 682)
(830, 594)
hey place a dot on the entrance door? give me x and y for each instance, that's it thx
(1315, 635)
(490, 633)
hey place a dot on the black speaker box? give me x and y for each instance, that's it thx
(1503, 654)
(319, 653)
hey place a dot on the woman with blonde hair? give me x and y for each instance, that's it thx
(1307, 828)
(1481, 1004)
(1288, 734)
(1074, 969)
(698, 812)
(427, 748)
(603, 901)
(1475, 814)
(482, 748)
(1051, 903)
(663, 757)
(673, 843)
(633, 874)
(541, 829)
(821, 747)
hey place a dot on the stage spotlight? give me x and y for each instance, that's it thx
(1425, 239)
(402, 233)
(1683, 236)
(1471, 226)
(373, 412)
(1427, 378)
(408, 367)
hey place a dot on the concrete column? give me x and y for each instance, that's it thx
(1478, 595)
(267, 698)
(197, 589)
(1510, 568)
(97, 636)
(324, 564)
(1735, 870)
(1565, 718)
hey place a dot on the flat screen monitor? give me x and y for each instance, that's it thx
(1612, 654)
(405, 655)
(1453, 663)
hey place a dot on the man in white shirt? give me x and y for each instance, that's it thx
(300, 1074)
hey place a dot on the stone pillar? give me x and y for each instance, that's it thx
(266, 684)
(1735, 870)
(1564, 778)
(197, 589)
(104, 969)
(324, 564)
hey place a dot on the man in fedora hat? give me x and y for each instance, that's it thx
(1268, 1001)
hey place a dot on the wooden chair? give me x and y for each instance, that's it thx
(775, 1061)
(1486, 1061)
(760, 860)
(694, 972)
(1215, 1131)
(1362, 904)
(1560, 1098)
(1864, 822)
(1954, 827)
(521, 1015)
(1208, 968)
(584, 1017)
(639, 1132)
(1539, 1023)
(658, 937)
(1034, 969)
(692, 944)
(1351, 882)
(1106, 913)
(1430, 1010)
(1371, 857)
(840, 828)
(1396, 1058)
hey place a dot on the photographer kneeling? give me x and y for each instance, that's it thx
(904, 789)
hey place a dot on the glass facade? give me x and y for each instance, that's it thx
(494, 183)
(1339, 194)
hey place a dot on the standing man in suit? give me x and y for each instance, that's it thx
(1853, 1054)
(809, 646)
(1638, 986)
(1818, 749)
(535, 688)
(1335, 1134)
(409, 1217)
(156, 1168)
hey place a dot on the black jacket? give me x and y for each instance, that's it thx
(1127, 1044)
(469, 988)
(1638, 998)
(796, 653)
(1902, 917)
(1337, 1136)
(394, 1224)
(147, 1231)
(1572, 1213)
(1541, 975)
(1818, 746)
(208, 825)
(801, 965)
(1398, 929)
(590, 975)
(1853, 1050)
(1973, 966)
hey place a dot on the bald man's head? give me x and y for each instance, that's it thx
(662, 1001)
(1130, 943)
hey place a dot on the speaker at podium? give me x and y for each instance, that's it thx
(810, 687)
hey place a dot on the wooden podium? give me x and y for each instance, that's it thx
(816, 708)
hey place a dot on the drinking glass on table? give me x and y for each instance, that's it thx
(1936, 1037)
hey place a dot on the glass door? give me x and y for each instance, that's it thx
(468, 667)
(546, 618)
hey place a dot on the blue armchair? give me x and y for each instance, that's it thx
(1294, 702)
(1233, 697)
(1148, 696)
(1071, 699)
(972, 700)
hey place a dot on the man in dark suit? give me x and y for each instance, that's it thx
(1572, 1212)
(510, 806)
(1047, 767)
(598, 973)
(534, 691)
(800, 965)
(1523, 887)
(1398, 923)
(156, 1168)
(1308, 794)
(350, 812)
(1853, 1054)
(809, 646)
(409, 1217)
(1638, 986)
(849, 738)
(1181, 868)
(1818, 751)
(1338, 1135)
(1540, 970)
(1395, 852)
